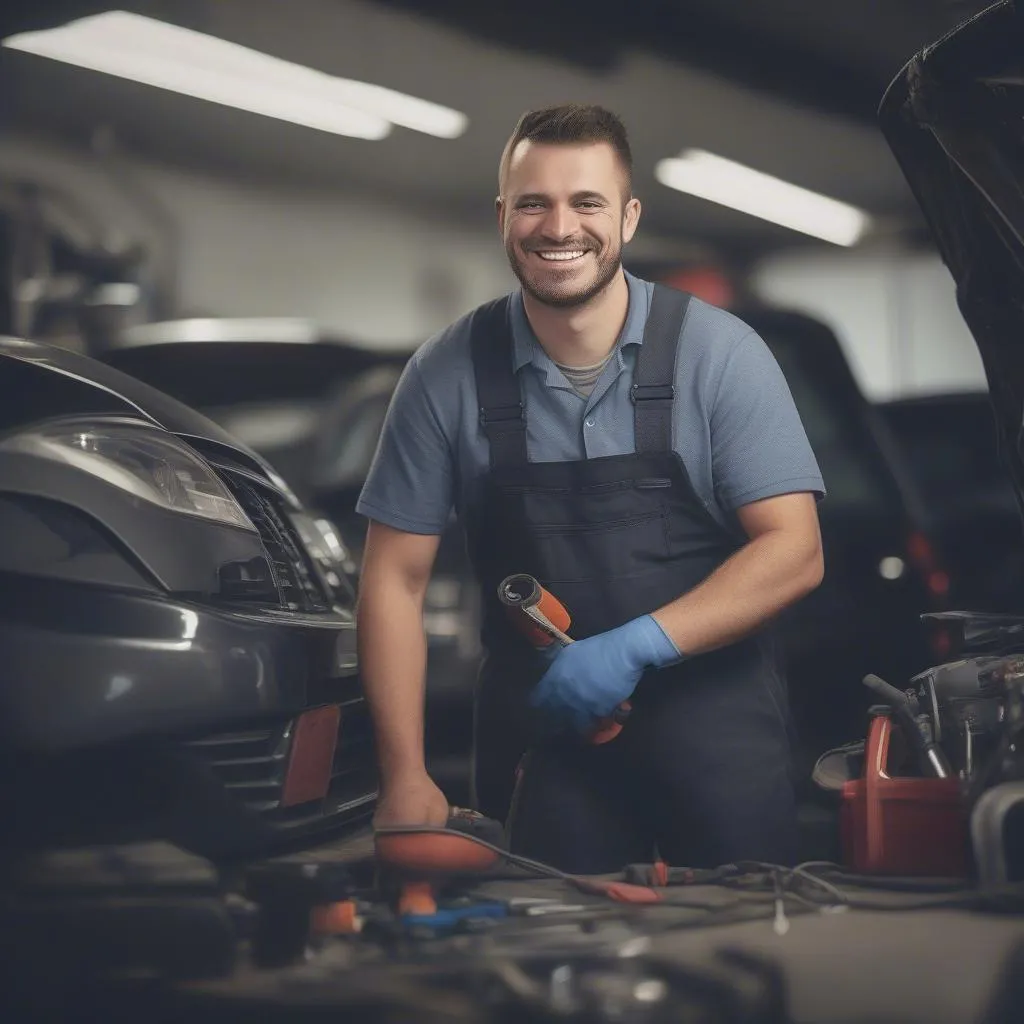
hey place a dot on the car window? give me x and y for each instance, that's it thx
(857, 477)
(351, 428)
(950, 444)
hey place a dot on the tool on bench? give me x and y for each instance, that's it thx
(544, 621)
(300, 903)
(417, 863)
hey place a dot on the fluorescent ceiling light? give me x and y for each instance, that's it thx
(178, 59)
(711, 177)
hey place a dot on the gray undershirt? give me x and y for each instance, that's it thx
(583, 378)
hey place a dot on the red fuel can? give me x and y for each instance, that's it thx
(902, 826)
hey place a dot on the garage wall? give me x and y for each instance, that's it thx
(386, 275)
(371, 269)
(894, 312)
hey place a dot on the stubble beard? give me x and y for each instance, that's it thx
(562, 297)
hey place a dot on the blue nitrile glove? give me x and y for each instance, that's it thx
(590, 678)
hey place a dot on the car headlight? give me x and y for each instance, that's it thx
(148, 463)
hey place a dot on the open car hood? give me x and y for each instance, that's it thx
(954, 119)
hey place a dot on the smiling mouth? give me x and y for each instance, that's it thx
(560, 255)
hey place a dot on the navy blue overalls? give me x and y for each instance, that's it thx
(701, 770)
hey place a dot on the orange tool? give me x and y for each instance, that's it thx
(420, 861)
(424, 859)
(543, 619)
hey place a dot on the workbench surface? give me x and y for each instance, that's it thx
(941, 965)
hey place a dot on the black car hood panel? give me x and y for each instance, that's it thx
(131, 395)
(954, 119)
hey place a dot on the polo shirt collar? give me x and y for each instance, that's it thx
(527, 349)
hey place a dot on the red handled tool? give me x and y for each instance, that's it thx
(423, 860)
(543, 619)
(418, 862)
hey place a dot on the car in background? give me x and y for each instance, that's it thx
(180, 660)
(883, 566)
(951, 448)
(313, 405)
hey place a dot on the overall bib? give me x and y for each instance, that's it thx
(701, 770)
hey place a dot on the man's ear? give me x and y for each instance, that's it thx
(499, 209)
(630, 220)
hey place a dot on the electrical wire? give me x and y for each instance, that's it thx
(764, 881)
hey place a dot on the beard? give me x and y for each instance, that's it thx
(561, 290)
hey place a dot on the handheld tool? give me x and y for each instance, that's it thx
(544, 620)
(425, 858)
(421, 861)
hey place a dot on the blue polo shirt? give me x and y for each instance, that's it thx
(735, 426)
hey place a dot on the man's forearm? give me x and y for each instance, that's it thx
(393, 656)
(763, 578)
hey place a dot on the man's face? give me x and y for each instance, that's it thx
(564, 220)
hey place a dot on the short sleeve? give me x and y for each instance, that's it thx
(759, 448)
(410, 483)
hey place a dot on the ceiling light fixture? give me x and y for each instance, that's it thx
(181, 60)
(722, 181)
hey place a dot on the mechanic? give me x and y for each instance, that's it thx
(674, 529)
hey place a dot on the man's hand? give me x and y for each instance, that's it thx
(411, 800)
(589, 679)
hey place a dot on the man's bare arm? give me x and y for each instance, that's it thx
(393, 656)
(781, 563)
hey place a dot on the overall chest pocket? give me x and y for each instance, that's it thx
(600, 534)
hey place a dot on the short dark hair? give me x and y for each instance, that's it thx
(571, 123)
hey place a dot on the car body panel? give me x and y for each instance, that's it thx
(160, 665)
(952, 119)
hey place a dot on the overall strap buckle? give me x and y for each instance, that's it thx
(654, 388)
(652, 393)
(501, 414)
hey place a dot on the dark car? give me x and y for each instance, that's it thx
(883, 568)
(313, 405)
(178, 638)
(952, 451)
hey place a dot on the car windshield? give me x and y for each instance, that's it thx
(857, 476)
(950, 442)
(287, 402)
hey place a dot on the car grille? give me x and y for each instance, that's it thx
(251, 766)
(298, 587)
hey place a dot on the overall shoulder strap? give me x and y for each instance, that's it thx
(498, 395)
(654, 378)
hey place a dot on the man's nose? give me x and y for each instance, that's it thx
(561, 222)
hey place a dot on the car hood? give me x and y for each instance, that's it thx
(126, 393)
(954, 119)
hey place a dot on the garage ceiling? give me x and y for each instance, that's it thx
(835, 56)
(787, 86)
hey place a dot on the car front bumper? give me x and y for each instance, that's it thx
(84, 666)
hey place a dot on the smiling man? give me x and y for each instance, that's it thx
(638, 452)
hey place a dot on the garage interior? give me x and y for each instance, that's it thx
(187, 769)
